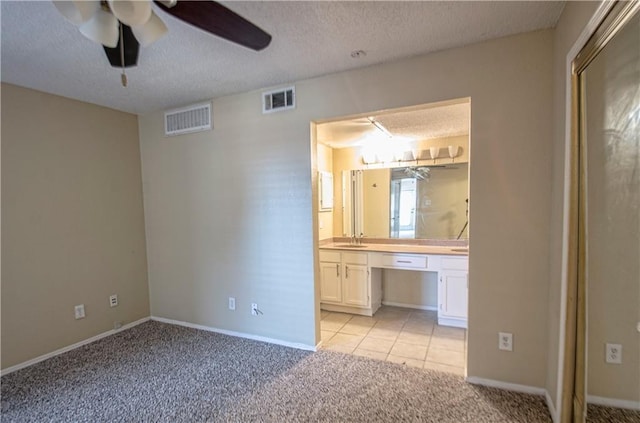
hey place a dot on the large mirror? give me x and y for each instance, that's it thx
(401, 173)
(412, 202)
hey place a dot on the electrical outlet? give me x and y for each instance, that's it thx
(113, 300)
(613, 354)
(232, 303)
(505, 341)
(79, 311)
(254, 309)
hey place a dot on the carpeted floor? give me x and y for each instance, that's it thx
(164, 373)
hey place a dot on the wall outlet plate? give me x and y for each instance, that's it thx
(113, 300)
(79, 311)
(232, 303)
(613, 354)
(254, 309)
(505, 341)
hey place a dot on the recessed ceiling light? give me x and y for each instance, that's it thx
(358, 54)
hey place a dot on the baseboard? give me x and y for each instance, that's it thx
(612, 402)
(414, 306)
(525, 389)
(237, 334)
(551, 407)
(71, 347)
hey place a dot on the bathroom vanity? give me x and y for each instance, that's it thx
(351, 276)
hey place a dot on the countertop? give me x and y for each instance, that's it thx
(399, 248)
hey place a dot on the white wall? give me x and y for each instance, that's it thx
(229, 212)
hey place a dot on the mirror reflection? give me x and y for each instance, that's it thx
(414, 202)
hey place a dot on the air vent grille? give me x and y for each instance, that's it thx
(189, 119)
(278, 100)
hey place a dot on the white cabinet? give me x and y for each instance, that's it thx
(345, 282)
(453, 292)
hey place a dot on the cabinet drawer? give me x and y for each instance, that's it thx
(331, 256)
(354, 258)
(404, 261)
(455, 263)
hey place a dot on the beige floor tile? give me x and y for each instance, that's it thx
(402, 349)
(346, 340)
(330, 326)
(376, 344)
(325, 335)
(390, 324)
(338, 317)
(448, 344)
(324, 313)
(381, 333)
(406, 361)
(424, 328)
(423, 315)
(448, 357)
(414, 338)
(363, 320)
(355, 329)
(449, 332)
(371, 354)
(444, 368)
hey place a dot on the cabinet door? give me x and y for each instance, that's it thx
(330, 286)
(453, 293)
(355, 283)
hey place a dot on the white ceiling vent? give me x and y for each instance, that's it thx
(277, 100)
(195, 118)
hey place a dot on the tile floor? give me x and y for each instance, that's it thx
(400, 335)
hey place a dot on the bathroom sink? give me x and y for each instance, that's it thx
(350, 246)
(460, 250)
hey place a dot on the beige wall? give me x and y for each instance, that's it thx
(72, 222)
(325, 217)
(409, 288)
(574, 18)
(229, 212)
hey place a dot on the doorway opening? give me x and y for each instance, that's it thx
(400, 192)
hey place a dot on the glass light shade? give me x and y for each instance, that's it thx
(77, 11)
(132, 13)
(102, 29)
(453, 151)
(434, 151)
(151, 31)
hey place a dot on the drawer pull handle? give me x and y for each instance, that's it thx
(403, 261)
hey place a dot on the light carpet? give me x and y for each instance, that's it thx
(157, 372)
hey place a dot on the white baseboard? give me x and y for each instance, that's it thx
(414, 306)
(612, 402)
(71, 347)
(552, 409)
(525, 389)
(238, 334)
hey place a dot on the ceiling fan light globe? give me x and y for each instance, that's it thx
(102, 29)
(151, 31)
(131, 12)
(77, 11)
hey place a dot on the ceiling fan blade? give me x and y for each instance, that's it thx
(215, 18)
(131, 49)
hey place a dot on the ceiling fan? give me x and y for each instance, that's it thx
(121, 26)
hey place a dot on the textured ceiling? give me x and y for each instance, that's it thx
(41, 50)
(417, 123)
